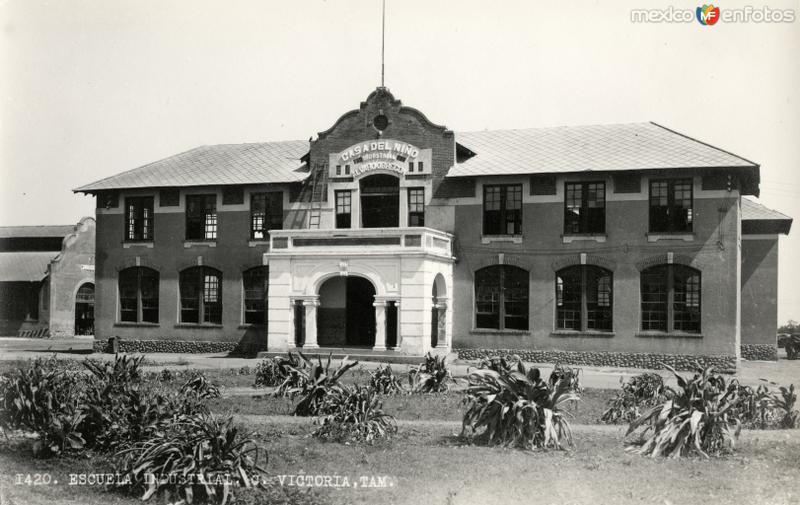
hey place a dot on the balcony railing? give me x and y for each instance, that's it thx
(361, 240)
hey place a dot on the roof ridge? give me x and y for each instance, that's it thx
(704, 143)
(553, 127)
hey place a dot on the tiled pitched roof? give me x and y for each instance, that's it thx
(222, 164)
(634, 146)
(757, 219)
(24, 266)
(36, 231)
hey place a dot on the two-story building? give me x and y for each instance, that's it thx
(609, 244)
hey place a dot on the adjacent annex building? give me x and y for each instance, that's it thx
(47, 280)
(623, 244)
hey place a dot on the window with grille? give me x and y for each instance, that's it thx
(671, 205)
(416, 206)
(584, 298)
(201, 217)
(584, 207)
(670, 299)
(502, 210)
(501, 298)
(343, 209)
(201, 295)
(266, 213)
(139, 218)
(138, 295)
(256, 285)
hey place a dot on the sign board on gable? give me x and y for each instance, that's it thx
(384, 155)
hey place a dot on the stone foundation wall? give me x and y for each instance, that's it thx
(171, 346)
(763, 352)
(613, 359)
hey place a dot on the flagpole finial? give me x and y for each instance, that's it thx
(383, 42)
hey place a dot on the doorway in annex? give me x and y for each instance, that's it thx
(346, 314)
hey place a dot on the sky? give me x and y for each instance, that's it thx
(91, 88)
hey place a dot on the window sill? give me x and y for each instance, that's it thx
(198, 325)
(664, 334)
(258, 243)
(128, 244)
(197, 243)
(584, 237)
(131, 324)
(582, 334)
(489, 239)
(489, 331)
(655, 237)
(247, 326)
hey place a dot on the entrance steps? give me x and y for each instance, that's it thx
(354, 354)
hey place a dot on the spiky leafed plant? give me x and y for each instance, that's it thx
(317, 384)
(638, 392)
(516, 408)
(200, 386)
(697, 416)
(275, 371)
(792, 346)
(356, 415)
(501, 364)
(563, 373)
(782, 406)
(292, 374)
(123, 370)
(431, 376)
(197, 456)
(384, 382)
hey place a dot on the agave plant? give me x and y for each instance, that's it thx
(500, 364)
(782, 404)
(697, 417)
(640, 391)
(200, 456)
(568, 375)
(200, 386)
(383, 381)
(124, 369)
(431, 376)
(516, 408)
(356, 415)
(317, 384)
(274, 371)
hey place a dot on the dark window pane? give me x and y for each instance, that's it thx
(598, 299)
(654, 292)
(255, 295)
(671, 205)
(416, 207)
(502, 210)
(138, 295)
(139, 218)
(343, 206)
(501, 298)
(201, 217)
(487, 297)
(686, 299)
(568, 299)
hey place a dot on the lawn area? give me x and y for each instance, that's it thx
(426, 463)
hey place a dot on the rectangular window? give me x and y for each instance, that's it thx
(584, 298)
(671, 206)
(201, 217)
(416, 206)
(201, 295)
(138, 295)
(501, 298)
(139, 218)
(671, 299)
(502, 210)
(584, 208)
(255, 283)
(343, 209)
(266, 213)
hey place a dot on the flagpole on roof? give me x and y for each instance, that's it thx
(383, 40)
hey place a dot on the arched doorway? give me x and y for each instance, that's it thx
(380, 201)
(84, 310)
(346, 315)
(438, 311)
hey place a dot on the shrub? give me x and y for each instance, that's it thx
(792, 346)
(517, 408)
(198, 456)
(783, 405)
(695, 417)
(46, 401)
(287, 373)
(318, 382)
(123, 370)
(500, 364)
(200, 386)
(569, 376)
(640, 391)
(355, 415)
(431, 376)
(383, 381)
(269, 373)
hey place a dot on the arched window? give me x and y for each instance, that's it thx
(201, 295)
(671, 298)
(584, 298)
(256, 285)
(501, 298)
(138, 295)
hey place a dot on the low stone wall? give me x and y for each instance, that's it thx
(762, 352)
(171, 346)
(613, 359)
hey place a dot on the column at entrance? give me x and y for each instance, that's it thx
(380, 325)
(311, 305)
